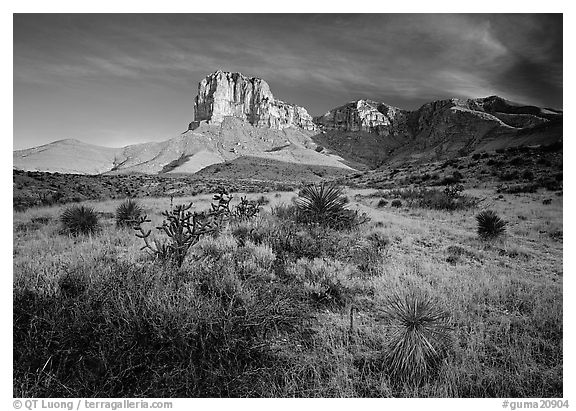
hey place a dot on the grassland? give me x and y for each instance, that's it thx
(272, 308)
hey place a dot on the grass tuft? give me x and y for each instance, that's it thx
(77, 220)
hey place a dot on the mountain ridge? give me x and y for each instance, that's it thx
(237, 116)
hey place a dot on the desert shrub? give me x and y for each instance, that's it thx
(324, 280)
(517, 161)
(35, 223)
(128, 213)
(77, 220)
(319, 149)
(451, 198)
(246, 209)
(396, 203)
(559, 176)
(368, 253)
(544, 162)
(420, 339)
(324, 204)
(183, 229)
(382, 203)
(476, 156)
(528, 175)
(550, 183)
(490, 225)
(263, 200)
(518, 188)
(509, 175)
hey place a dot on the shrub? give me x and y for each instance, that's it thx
(518, 188)
(128, 213)
(381, 203)
(323, 204)
(263, 200)
(183, 229)
(420, 339)
(247, 209)
(490, 225)
(528, 175)
(396, 203)
(78, 220)
(509, 175)
(449, 199)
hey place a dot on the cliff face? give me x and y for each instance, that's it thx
(365, 115)
(223, 94)
(372, 132)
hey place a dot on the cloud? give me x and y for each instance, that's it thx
(317, 61)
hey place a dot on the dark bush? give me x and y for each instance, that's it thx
(509, 175)
(396, 203)
(381, 203)
(451, 198)
(128, 212)
(78, 220)
(490, 225)
(528, 175)
(324, 204)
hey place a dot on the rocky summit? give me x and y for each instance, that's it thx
(365, 115)
(223, 94)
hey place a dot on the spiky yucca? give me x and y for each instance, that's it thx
(490, 225)
(420, 339)
(78, 220)
(128, 212)
(323, 203)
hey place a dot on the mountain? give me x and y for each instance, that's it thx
(370, 132)
(238, 121)
(234, 116)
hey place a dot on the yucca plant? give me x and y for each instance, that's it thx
(322, 199)
(78, 220)
(324, 204)
(490, 225)
(420, 337)
(128, 213)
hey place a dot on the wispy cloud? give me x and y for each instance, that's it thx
(318, 61)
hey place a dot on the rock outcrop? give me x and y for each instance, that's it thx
(365, 115)
(223, 94)
(372, 132)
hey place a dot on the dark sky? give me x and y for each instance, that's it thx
(121, 79)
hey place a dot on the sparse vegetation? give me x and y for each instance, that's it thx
(451, 198)
(281, 305)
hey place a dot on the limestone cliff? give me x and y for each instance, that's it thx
(372, 132)
(222, 94)
(365, 115)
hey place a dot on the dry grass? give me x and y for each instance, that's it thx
(94, 316)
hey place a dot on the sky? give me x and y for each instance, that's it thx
(119, 79)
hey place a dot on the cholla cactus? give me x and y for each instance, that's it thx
(183, 229)
(246, 209)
